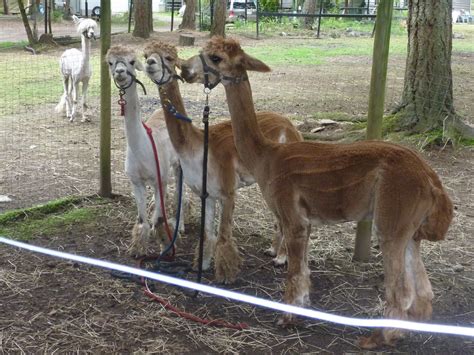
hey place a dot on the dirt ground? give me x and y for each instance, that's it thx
(51, 306)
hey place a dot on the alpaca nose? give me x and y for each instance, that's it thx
(119, 70)
(151, 61)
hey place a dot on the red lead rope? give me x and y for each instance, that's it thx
(153, 296)
(160, 185)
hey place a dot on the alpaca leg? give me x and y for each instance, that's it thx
(158, 231)
(278, 248)
(400, 290)
(141, 229)
(209, 237)
(85, 86)
(68, 92)
(421, 308)
(296, 235)
(74, 100)
(228, 260)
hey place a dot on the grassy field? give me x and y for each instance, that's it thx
(37, 79)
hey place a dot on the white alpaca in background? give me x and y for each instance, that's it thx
(75, 68)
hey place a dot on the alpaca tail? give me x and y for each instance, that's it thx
(61, 107)
(440, 216)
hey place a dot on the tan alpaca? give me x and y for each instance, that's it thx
(307, 183)
(226, 171)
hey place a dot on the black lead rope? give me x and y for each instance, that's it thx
(204, 194)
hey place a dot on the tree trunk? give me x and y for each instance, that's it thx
(218, 24)
(31, 39)
(189, 16)
(428, 90)
(6, 9)
(142, 19)
(67, 10)
(150, 14)
(309, 8)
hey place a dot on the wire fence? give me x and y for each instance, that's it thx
(44, 156)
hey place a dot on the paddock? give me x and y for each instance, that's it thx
(50, 305)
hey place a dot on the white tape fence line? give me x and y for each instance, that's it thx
(308, 313)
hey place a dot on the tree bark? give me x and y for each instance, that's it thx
(31, 38)
(67, 10)
(189, 16)
(6, 9)
(309, 8)
(218, 25)
(427, 98)
(142, 19)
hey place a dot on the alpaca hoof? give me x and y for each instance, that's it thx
(279, 261)
(136, 251)
(71, 119)
(221, 277)
(270, 252)
(140, 236)
(375, 340)
(287, 320)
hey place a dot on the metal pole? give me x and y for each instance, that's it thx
(45, 16)
(200, 15)
(87, 9)
(172, 15)
(319, 17)
(257, 18)
(105, 189)
(130, 10)
(376, 106)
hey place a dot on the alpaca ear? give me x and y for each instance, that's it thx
(139, 66)
(251, 63)
(179, 62)
(75, 19)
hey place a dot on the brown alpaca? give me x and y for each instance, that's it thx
(226, 171)
(307, 183)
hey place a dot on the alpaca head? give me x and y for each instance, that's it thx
(161, 61)
(85, 26)
(123, 63)
(221, 60)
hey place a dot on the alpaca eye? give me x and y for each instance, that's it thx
(132, 62)
(110, 63)
(216, 59)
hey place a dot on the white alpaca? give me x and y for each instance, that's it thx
(75, 68)
(140, 163)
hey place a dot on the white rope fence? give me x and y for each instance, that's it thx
(309, 313)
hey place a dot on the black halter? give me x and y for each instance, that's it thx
(134, 79)
(207, 69)
(166, 69)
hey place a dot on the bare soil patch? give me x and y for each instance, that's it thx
(50, 305)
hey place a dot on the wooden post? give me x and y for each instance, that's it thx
(105, 189)
(378, 78)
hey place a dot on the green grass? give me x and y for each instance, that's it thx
(39, 211)
(8, 44)
(52, 218)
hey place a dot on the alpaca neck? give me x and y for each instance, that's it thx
(249, 139)
(86, 51)
(134, 130)
(182, 133)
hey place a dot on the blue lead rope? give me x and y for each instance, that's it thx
(171, 109)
